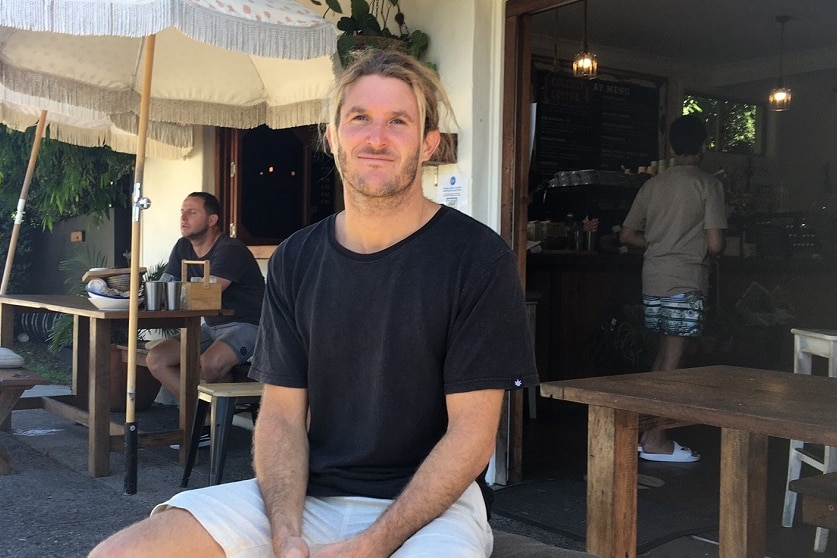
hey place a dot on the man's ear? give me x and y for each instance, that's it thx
(429, 145)
(213, 220)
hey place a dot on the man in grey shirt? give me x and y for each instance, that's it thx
(678, 218)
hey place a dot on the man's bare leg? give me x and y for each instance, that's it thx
(217, 363)
(164, 363)
(669, 356)
(174, 532)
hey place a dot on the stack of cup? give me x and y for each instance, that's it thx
(162, 294)
(154, 293)
(173, 295)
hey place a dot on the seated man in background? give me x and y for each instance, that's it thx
(225, 340)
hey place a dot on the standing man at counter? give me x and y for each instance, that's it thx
(225, 340)
(678, 219)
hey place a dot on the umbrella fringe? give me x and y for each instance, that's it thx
(176, 135)
(71, 92)
(235, 33)
(231, 32)
(122, 143)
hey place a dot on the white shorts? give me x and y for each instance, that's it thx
(234, 515)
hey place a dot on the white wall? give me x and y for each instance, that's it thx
(167, 183)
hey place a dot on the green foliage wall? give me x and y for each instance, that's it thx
(68, 181)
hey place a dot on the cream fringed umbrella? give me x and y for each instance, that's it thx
(232, 63)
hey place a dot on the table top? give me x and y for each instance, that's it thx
(780, 404)
(81, 306)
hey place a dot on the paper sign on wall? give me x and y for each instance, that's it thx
(453, 190)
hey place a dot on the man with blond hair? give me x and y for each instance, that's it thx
(389, 334)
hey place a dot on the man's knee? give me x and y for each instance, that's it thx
(217, 362)
(163, 355)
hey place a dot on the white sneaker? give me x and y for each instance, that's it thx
(204, 443)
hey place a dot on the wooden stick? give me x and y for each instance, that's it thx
(21, 203)
(133, 309)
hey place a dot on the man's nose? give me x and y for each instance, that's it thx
(377, 133)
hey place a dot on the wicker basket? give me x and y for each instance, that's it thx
(119, 282)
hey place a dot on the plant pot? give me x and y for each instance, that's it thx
(147, 386)
(347, 44)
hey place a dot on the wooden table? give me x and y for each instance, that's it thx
(747, 404)
(89, 403)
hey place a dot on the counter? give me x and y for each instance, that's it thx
(589, 312)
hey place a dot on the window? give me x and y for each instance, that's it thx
(732, 126)
(272, 183)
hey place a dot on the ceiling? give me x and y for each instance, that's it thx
(735, 37)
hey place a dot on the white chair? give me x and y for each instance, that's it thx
(808, 343)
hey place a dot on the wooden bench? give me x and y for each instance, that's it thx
(819, 499)
(13, 382)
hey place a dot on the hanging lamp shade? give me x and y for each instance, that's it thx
(586, 64)
(780, 97)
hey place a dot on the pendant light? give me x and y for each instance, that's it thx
(585, 64)
(780, 98)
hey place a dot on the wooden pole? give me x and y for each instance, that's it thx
(133, 310)
(21, 203)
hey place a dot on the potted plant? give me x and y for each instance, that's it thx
(368, 26)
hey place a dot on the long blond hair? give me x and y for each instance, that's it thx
(428, 89)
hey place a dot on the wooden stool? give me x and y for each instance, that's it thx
(821, 343)
(13, 382)
(221, 400)
(819, 499)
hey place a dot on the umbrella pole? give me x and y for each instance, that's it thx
(139, 203)
(21, 203)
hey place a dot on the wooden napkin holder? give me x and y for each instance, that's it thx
(203, 295)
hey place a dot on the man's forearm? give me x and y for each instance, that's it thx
(280, 461)
(455, 462)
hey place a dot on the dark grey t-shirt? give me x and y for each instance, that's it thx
(380, 339)
(229, 259)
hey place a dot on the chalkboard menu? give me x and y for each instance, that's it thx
(593, 124)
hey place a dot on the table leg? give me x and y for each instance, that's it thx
(190, 341)
(611, 482)
(7, 339)
(8, 398)
(7, 325)
(81, 361)
(99, 394)
(743, 494)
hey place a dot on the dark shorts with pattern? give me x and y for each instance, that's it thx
(681, 315)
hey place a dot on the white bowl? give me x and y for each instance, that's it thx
(104, 302)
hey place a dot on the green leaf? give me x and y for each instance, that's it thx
(348, 25)
(360, 9)
(369, 25)
(333, 5)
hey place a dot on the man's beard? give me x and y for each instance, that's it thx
(197, 234)
(394, 188)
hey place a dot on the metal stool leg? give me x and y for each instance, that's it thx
(197, 426)
(223, 410)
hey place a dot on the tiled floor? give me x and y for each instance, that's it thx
(555, 444)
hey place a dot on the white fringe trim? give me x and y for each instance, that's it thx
(193, 112)
(299, 36)
(95, 137)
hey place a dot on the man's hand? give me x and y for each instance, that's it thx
(293, 547)
(350, 548)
